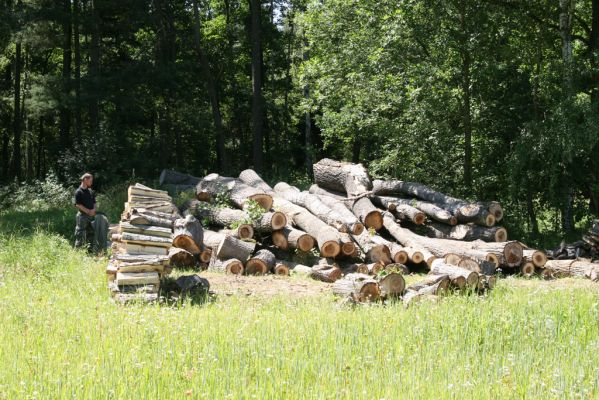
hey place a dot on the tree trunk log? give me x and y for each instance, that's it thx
(368, 214)
(230, 266)
(189, 235)
(212, 239)
(467, 232)
(538, 258)
(260, 263)
(181, 257)
(358, 287)
(137, 217)
(431, 210)
(327, 238)
(374, 250)
(392, 285)
(313, 204)
(341, 207)
(464, 211)
(427, 291)
(329, 274)
(289, 237)
(231, 247)
(430, 280)
(239, 193)
(339, 196)
(567, 268)
(405, 212)
(439, 267)
(350, 178)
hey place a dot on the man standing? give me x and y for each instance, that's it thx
(85, 201)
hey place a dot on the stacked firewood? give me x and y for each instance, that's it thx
(141, 245)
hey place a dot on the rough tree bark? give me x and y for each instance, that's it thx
(188, 234)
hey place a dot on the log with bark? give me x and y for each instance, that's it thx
(339, 196)
(348, 248)
(367, 213)
(238, 192)
(231, 266)
(537, 257)
(212, 239)
(313, 204)
(567, 268)
(341, 207)
(351, 268)
(327, 274)
(181, 257)
(431, 286)
(189, 235)
(467, 232)
(463, 210)
(340, 176)
(431, 210)
(392, 285)
(358, 287)
(143, 240)
(260, 263)
(222, 216)
(373, 250)
(231, 247)
(439, 267)
(327, 238)
(289, 237)
(402, 210)
(141, 190)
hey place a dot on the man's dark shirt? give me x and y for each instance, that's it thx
(85, 197)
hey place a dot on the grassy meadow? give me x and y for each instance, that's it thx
(62, 337)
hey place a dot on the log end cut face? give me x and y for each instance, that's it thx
(330, 248)
(501, 235)
(374, 220)
(392, 285)
(187, 243)
(348, 248)
(357, 228)
(281, 269)
(256, 266)
(234, 267)
(419, 218)
(370, 292)
(265, 200)
(245, 231)
(539, 258)
(278, 220)
(527, 269)
(400, 257)
(513, 253)
(306, 242)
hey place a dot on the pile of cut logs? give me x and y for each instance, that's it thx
(358, 234)
(141, 246)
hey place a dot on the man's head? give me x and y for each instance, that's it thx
(87, 180)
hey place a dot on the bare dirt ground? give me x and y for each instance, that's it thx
(302, 287)
(265, 286)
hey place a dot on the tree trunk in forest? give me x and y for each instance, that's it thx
(307, 117)
(94, 71)
(77, 45)
(17, 123)
(257, 101)
(565, 27)
(532, 216)
(466, 95)
(65, 112)
(212, 92)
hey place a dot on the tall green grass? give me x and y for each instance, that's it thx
(61, 337)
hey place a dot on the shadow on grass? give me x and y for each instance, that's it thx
(24, 223)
